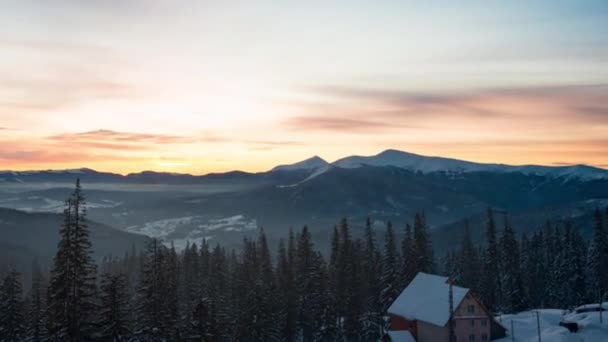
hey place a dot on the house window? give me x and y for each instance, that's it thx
(471, 309)
(484, 337)
(484, 322)
(472, 322)
(471, 338)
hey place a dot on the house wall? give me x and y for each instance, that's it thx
(432, 333)
(400, 323)
(471, 323)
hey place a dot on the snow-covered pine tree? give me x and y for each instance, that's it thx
(468, 259)
(511, 272)
(152, 313)
(390, 269)
(491, 286)
(12, 322)
(423, 247)
(37, 322)
(267, 314)
(307, 286)
(171, 274)
(287, 294)
(575, 262)
(72, 288)
(408, 257)
(598, 259)
(556, 266)
(218, 293)
(371, 319)
(114, 324)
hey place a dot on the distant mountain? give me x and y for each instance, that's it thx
(36, 234)
(424, 164)
(305, 170)
(313, 163)
(390, 186)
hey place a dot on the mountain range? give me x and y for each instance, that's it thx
(315, 165)
(390, 186)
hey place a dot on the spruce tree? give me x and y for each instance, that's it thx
(114, 324)
(491, 285)
(287, 294)
(408, 257)
(152, 314)
(390, 270)
(37, 308)
(598, 259)
(423, 248)
(511, 272)
(469, 262)
(72, 286)
(12, 322)
(371, 320)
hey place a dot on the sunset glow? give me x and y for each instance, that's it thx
(200, 87)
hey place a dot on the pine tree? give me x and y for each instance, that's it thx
(287, 294)
(72, 287)
(408, 257)
(309, 287)
(390, 266)
(115, 313)
(371, 320)
(423, 248)
(37, 310)
(598, 259)
(152, 314)
(170, 271)
(511, 272)
(469, 262)
(12, 323)
(218, 294)
(267, 304)
(491, 285)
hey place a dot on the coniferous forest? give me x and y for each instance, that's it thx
(208, 293)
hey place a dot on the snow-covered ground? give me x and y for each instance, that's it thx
(525, 328)
(44, 204)
(197, 227)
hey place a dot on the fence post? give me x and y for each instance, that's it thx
(538, 325)
(512, 331)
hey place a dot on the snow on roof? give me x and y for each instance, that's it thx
(427, 299)
(401, 336)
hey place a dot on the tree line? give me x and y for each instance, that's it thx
(208, 293)
(552, 268)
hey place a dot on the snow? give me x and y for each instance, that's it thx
(424, 164)
(44, 204)
(313, 163)
(427, 299)
(525, 328)
(401, 336)
(198, 227)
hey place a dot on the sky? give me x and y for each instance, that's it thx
(210, 86)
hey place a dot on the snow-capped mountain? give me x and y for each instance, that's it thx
(308, 169)
(313, 163)
(424, 164)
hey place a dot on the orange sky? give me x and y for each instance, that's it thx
(205, 88)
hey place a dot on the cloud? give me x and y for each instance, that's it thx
(71, 73)
(371, 109)
(342, 124)
(114, 140)
(39, 156)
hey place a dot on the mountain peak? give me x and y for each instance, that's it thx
(311, 163)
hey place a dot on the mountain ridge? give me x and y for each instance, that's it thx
(316, 166)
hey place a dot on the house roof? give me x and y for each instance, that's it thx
(401, 336)
(426, 299)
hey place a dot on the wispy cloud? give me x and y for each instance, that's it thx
(360, 109)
